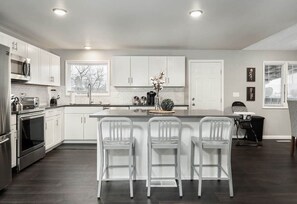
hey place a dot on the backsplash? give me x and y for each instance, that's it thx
(117, 96)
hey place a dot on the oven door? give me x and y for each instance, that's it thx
(31, 133)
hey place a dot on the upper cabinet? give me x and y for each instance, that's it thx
(44, 66)
(137, 70)
(17, 46)
(130, 71)
(33, 55)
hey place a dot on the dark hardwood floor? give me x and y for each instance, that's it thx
(67, 174)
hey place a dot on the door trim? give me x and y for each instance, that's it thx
(222, 78)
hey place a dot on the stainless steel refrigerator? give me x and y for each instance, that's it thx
(5, 135)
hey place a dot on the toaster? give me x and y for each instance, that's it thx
(30, 102)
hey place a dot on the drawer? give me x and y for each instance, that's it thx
(83, 110)
(53, 112)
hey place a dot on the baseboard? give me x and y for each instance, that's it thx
(80, 141)
(276, 137)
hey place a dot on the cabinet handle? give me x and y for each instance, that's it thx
(57, 122)
(131, 80)
(16, 46)
(81, 120)
(85, 120)
(46, 125)
(128, 80)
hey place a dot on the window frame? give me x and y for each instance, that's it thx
(67, 92)
(284, 84)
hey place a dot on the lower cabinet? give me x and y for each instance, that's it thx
(13, 145)
(53, 128)
(78, 125)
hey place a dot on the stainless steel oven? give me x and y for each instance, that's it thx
(30, 137)
(20, 68)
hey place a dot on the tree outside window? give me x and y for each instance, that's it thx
(79, 74)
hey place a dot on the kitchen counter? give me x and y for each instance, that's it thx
(103, 105)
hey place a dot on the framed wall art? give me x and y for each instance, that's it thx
(251, 93)
(251, 74)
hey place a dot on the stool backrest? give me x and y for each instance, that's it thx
(238, 106)
(115, 129)
(164, 129)
(215, 129)
(292, 104)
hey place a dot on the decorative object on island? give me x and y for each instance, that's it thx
(250, 93)
(250, 74)
(158, 82)
(167, 104)
(150, 98)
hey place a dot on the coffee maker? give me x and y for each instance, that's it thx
(150, 98)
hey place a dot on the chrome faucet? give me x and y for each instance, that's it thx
(90, 93)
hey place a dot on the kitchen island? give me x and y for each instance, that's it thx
(190, 126)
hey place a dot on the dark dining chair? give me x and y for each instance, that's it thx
(292, 105)
(244, 121)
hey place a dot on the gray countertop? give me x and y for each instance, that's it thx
(147, 114)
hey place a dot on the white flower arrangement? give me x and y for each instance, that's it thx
(158, 81)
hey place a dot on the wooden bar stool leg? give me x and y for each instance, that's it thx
(292, 146)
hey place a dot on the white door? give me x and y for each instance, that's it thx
(206, 85)
(175, 71)
(44, 71)
(13, 145)
(58, 130)
(49, 132)
(55, 70)
(73, 127)
(157, 64)
(33, 55)
(120, 71)
(90, 128)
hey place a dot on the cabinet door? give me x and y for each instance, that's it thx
(58, 130)
(55, 70)
(44, 69)
(33, 55)
(90, 128)
(3, 39)
(139, 71)
(73, 127)
(49, 132)
(17, 47)
(175, 71)
(13, 145)
(120, 71)
(157, 64)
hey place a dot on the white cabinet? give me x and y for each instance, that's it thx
(55, 70)
(130, 71)
(44, 67)
(121, 71)
(175, 72)
(78, 124)
(53, 128)
(157, 64)
(2, 39)
(17, 46)
(33, 55)
(13, 145)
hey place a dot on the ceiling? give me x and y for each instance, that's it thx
(147, 24)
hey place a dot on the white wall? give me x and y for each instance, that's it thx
(235, 62)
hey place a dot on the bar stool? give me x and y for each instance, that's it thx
(164, 133)
(214, 133)
(114, 133)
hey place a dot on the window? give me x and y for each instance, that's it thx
(81, 74)
(280, 83)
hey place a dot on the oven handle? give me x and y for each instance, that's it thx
(4, 141)
(31, 117)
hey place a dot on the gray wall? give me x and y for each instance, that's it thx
(235, 64)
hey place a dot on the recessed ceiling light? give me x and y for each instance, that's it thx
(88, 47)
(196, 13)
(59, 12)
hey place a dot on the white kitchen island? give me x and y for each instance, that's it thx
(190, 126)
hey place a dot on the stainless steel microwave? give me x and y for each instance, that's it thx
(20, 68)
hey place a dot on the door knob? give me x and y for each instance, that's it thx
(193, 99)
(193, 104)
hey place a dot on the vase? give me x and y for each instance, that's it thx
(157, 102)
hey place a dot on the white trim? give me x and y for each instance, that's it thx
(80, 142)
(222, 78)
(276, 137)
(89, 61)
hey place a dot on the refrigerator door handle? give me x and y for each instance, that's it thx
(7, 139)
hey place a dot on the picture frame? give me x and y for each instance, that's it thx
(250, 74)
(250, 93)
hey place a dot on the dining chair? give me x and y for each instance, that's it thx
(292, 105)
(164, 133)
(114, 133)
(215, 133)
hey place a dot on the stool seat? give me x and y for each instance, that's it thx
(209, 144)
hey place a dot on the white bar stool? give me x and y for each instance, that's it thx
(214, 133)
(114, 133)
(164, 133)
